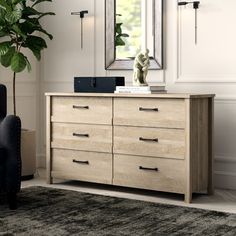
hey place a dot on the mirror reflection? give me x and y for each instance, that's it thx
(134, 28)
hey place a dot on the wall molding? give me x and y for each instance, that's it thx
(19, 81)
(58, 81)
(225, 159)
(205, 79)
(22, 96)
(225, 180)
(40, 160)
(225, 99)
(179, 77)
(225, 173)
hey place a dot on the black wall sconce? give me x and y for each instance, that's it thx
(195, 6)
(81, 14)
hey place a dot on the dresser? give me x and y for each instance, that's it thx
(161, 142)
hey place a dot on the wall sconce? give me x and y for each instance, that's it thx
(81, 14)
(195, 6)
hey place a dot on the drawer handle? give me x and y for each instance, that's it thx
(80, 107)
(146, 168)
(149, 139)
(148, 109)
(81, 162)
(81, 135)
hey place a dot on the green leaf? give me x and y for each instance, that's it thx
(17, 1)
(28, 27)
(17, 30)
(18, 62)
(35, 44)
(31, 25)
(14, 16)
(3, 33)
(19, 20)
(4, 47)
(124, 35)
(6, 59)
(2, 17)
(45, 32)
(4, 5)
(29, 68)
(46, 14)
(36, 52)
(22, 3)
(29, 11)
(39, 1)
(119, 41)
(118, 28)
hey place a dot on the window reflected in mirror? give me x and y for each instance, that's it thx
(134, 28)
(130, 27)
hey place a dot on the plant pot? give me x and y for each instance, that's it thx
(28, 154)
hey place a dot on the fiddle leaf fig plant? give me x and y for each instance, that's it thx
(19, 28)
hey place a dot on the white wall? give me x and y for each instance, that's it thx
(208, 67)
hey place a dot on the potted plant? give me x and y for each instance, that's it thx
(19, 29)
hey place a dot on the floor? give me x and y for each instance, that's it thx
(223, 200)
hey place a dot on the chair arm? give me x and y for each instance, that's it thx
(10, 140)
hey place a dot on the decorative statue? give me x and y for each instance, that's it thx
(141, 65)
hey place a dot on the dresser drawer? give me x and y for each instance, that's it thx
(156, 142)
(149, 112)
(149, 173)
(88, 110)
(82, 137)
(84, 166)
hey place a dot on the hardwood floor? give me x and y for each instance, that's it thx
(222, 200)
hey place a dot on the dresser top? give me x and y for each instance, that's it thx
(159, 95)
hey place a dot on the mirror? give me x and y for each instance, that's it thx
(132, 26)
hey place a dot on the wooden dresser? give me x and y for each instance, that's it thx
(159, 142)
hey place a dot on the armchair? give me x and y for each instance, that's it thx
(10, 155)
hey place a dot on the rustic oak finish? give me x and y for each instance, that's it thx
(81, 136)
(130, 171)
(170, 113)
(153, 142)
(161, 142)
(87, 166)
(87, 110)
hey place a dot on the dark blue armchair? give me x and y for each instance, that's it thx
(10, 152)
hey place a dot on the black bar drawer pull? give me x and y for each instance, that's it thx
(150, 169)
(81, 135)
(148, 109)
(149, 139)
(81, 162)
(80, 107)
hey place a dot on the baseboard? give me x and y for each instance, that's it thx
(225, 159)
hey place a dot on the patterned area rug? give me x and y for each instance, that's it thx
(47, 211)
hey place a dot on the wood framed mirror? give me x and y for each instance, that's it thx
(130, 27)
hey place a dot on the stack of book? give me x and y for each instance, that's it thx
(141, 89)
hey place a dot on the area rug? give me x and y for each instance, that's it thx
(48, 211)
